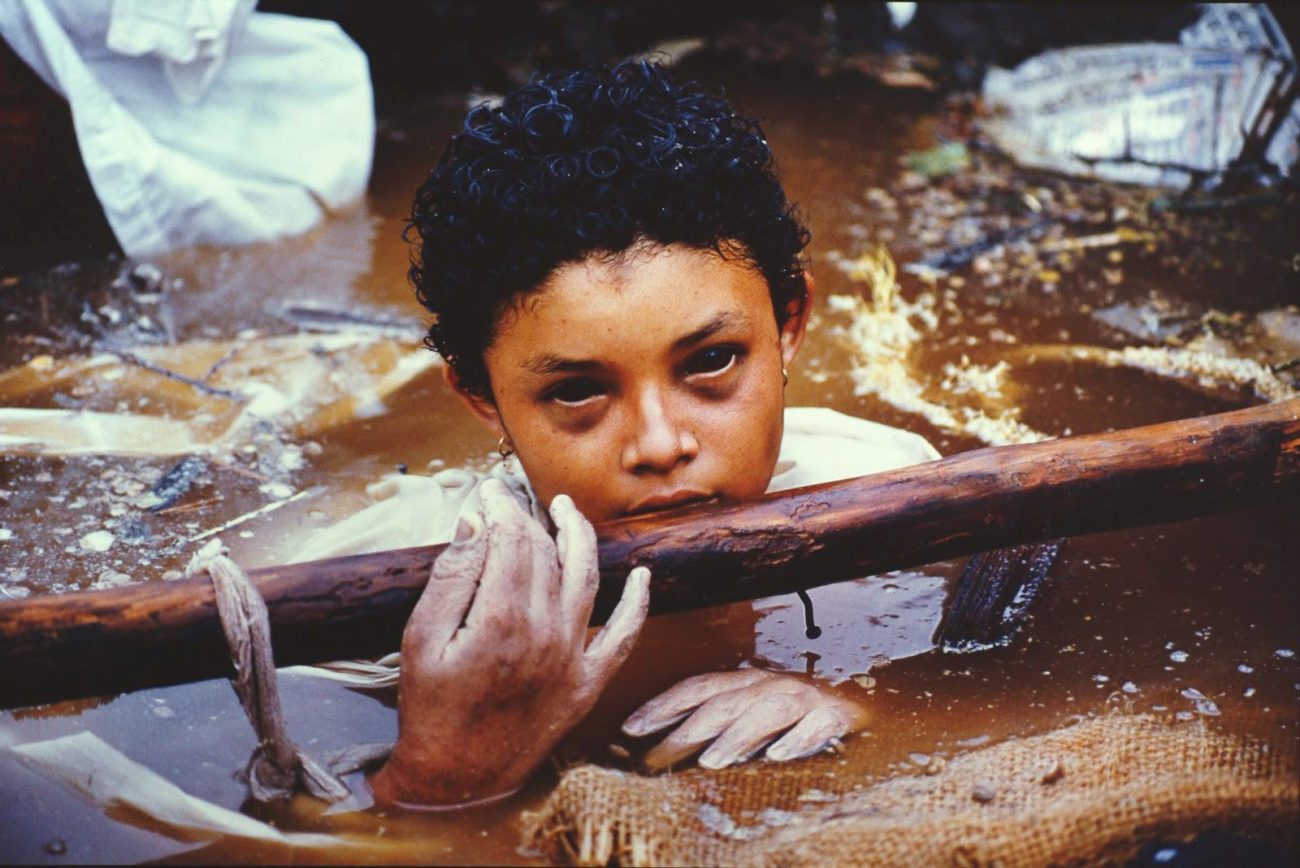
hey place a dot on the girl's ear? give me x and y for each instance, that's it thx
(796, 321)
(484, 409)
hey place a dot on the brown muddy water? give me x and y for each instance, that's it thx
(1194, 621)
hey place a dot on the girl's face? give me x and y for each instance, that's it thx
(645, 382)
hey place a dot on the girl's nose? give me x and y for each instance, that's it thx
(658, 442)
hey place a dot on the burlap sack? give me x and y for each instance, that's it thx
(1092, 792)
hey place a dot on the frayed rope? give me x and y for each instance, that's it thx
(277, 767)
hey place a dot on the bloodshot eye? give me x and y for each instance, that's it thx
(712, 360)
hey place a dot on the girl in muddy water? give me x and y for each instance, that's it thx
(616, 279)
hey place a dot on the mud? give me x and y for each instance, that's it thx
(1085, 309)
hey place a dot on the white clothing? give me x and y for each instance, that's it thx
(819, 445)
(201, 121)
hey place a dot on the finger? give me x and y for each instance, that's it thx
(773, 713)
(508, 571)
(706, 723)
(615, 640)
(675, 703)
(814, 732)
(453, 581)
(579, 572)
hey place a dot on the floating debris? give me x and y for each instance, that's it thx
(1204, 705)
(319, 318)
(1155, 113)
(301, 383)
(98, 541)
(883, 335)
(1199, 363)
(946, 159)
(248, 516)
(175, 483)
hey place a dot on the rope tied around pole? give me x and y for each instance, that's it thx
(277, 767)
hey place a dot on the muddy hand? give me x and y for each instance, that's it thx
(740, 712)
(494, 668)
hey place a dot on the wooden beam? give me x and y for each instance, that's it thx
(94, 643)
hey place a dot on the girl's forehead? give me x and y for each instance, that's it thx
(645, 300)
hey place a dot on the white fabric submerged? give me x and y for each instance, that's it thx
(201, 121)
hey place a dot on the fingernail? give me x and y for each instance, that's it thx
(778, 753)
(714, 759)
(635, 727)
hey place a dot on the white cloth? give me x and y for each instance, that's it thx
(819, 445)
(201, 121)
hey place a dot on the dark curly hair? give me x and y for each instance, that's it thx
(589, 162)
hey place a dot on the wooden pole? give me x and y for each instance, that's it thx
(94, 643)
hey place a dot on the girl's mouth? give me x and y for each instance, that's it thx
(668, 500)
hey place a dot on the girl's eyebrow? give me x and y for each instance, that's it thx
(550, 363)
(721, 322)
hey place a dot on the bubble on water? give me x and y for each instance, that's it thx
(1168, 854)
(1184, 715)
(1178, 656)
(1250, 691)
(1129, 687)
(1285, 653)
(1101, 679)
(1245, 669)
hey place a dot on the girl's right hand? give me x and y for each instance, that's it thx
(495, 667)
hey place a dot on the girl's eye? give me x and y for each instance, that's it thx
(713, 360)
(574, 391)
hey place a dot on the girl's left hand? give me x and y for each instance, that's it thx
(740, 712)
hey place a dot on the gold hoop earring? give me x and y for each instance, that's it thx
(785, 377)
(504, 449)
